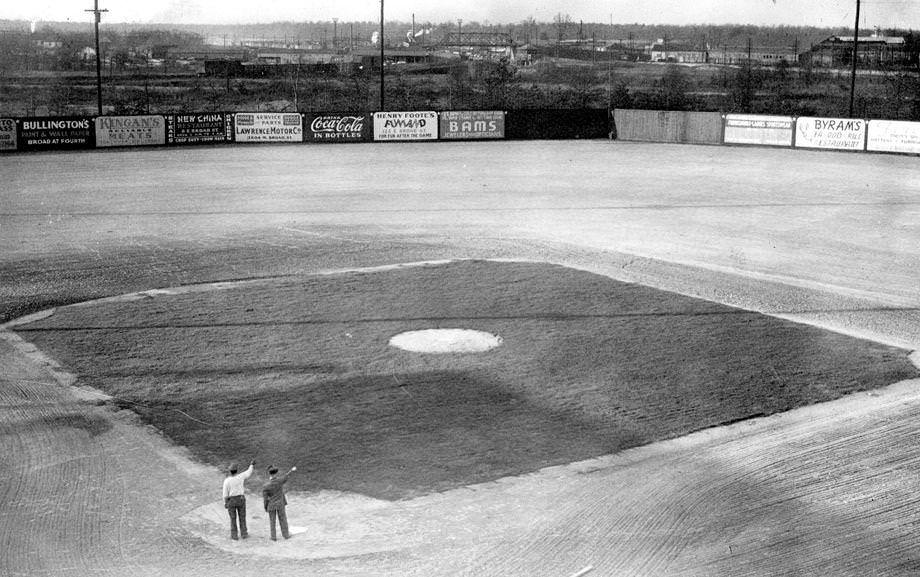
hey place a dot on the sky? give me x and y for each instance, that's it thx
(830, 13)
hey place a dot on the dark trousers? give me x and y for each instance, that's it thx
(282, 520)
(236, 507)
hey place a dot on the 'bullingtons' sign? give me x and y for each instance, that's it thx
(56, 133)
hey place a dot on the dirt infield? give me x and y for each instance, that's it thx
(825, 238)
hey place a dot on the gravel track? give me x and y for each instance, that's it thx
(819, 237)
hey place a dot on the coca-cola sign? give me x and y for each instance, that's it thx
(337, 127)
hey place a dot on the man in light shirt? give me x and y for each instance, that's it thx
(235, 499)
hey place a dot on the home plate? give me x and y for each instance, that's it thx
(440, 341)
(296, 530)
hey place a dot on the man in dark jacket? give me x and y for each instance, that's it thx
(275, 501)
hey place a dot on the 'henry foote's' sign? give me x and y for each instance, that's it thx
(406, 125)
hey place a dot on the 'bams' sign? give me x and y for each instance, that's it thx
(472, 124)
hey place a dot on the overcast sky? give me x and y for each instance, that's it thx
(885, 13)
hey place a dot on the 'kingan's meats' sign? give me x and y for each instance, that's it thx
(472, 124)
(56, 133)
(199, 128)
(757, 129)
(405, 125)
(130, 131)
(7, 134)
(268, 127)
(894, 136)
(833, 133)
(337, 128)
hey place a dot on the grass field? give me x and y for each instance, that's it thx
(298, 371)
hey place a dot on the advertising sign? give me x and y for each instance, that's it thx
(337, 127)
(472, 124)
(199, 128)
(831, 133)
(894, 136)
(268, 127)
(56, 133)
(7, 134)
(130, 131)
(405, 126)
(756, 129)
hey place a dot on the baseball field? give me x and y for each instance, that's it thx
(704, 359)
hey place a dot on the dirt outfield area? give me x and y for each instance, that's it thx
(788, 277)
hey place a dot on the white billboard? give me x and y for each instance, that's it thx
(894, 136)
(7, 134)
(130, 131)
(757, 129)
(830, 133)
(406, 125)
(268, 127)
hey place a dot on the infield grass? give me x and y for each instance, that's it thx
(298, 371)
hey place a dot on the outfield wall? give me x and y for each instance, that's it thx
(35, 134)
(668, 126)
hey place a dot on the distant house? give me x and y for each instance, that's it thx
(662, 51)
(48, 42)
(86, 54)
(871, 51)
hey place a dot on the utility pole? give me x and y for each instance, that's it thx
(335, 33)
(609, 100)
(98, 16)
(382, 100)
(853, 75)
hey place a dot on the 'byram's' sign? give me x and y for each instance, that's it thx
(832, 133)
(406, 125)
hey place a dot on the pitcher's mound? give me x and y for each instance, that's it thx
(439, 341)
